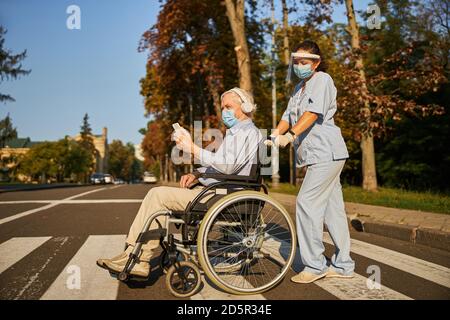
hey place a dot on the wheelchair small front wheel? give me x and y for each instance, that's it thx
(183, 279)
(164, 261)
(123, 276)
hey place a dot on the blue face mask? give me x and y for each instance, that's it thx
(303, 71)
(228, 118)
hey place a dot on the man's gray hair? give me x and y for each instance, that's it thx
(237, 99)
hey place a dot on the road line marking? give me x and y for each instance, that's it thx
(346, 289)
(74, 201)
(208, 292)
(51, 205)
(115, 187)
(356, 289)
(418, 267)
(96, 283)
(16, 249)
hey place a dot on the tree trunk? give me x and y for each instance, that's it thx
(285, 32)
(367, 145)
(368, 163)
(213, 90)
(236, 17)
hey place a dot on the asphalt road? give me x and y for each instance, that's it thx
(50, 239)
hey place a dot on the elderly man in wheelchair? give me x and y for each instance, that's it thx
(227, 228)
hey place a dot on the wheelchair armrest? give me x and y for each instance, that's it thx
(227, 177)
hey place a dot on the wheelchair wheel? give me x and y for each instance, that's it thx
(246, 243)
(164, 262)
(183, 279)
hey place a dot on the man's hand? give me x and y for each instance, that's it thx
(270, 142)
(187, 180)
(184, 143)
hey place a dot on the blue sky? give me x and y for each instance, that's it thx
(95, 70)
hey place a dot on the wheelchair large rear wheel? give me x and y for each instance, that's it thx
(246, 243)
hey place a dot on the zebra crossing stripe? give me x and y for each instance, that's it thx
(82, 279)
(15, 249)
(208, 292)
(356, 288)
(418, 267)
(345, 289)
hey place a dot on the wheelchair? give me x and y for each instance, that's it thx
(232, 233)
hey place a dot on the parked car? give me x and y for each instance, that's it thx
(149, 178)
(98, 178)
(108, 178)
(119, 181)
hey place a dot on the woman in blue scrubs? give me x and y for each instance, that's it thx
(308, 123)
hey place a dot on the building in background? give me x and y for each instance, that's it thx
(138, 152)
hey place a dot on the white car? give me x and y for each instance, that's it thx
(108, 178)
(149, 178)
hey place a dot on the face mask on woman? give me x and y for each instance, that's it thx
(303, 71)
(228, 118)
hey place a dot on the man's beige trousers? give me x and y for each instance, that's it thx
(157, 199)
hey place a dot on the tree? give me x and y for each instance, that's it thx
(87, 143)
(122, 163)
(367, 145)
(190, 53)
(7, 131)
(236, 17)
(10, 65)
(55, 160)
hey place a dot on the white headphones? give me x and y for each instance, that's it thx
(246, 105)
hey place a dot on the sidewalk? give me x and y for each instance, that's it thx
(431, 229)
(30, 187)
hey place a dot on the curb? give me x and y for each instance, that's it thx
(424, 236)
(33, 187)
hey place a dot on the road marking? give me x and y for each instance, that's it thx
(418, 267)
(356, 289)
(51, 205)
(346, 289)
(95, 283)
(208, 292)
(16, 249)
(73, 201)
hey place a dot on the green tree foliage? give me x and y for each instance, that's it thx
(10, 65)
(87, 143)
(122, 163)
(63, 159)
(7, 131)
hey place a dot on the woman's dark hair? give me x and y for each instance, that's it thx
(312, 47)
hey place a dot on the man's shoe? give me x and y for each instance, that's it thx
(140, 269)
(334, 274)
(125, 254)
(101, 262)
(307, 277)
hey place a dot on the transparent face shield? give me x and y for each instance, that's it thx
(295, 57)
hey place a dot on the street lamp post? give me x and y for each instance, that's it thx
(275, 151)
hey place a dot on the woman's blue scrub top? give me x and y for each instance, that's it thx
(323, 141)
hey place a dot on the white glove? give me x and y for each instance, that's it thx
(284, 140)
